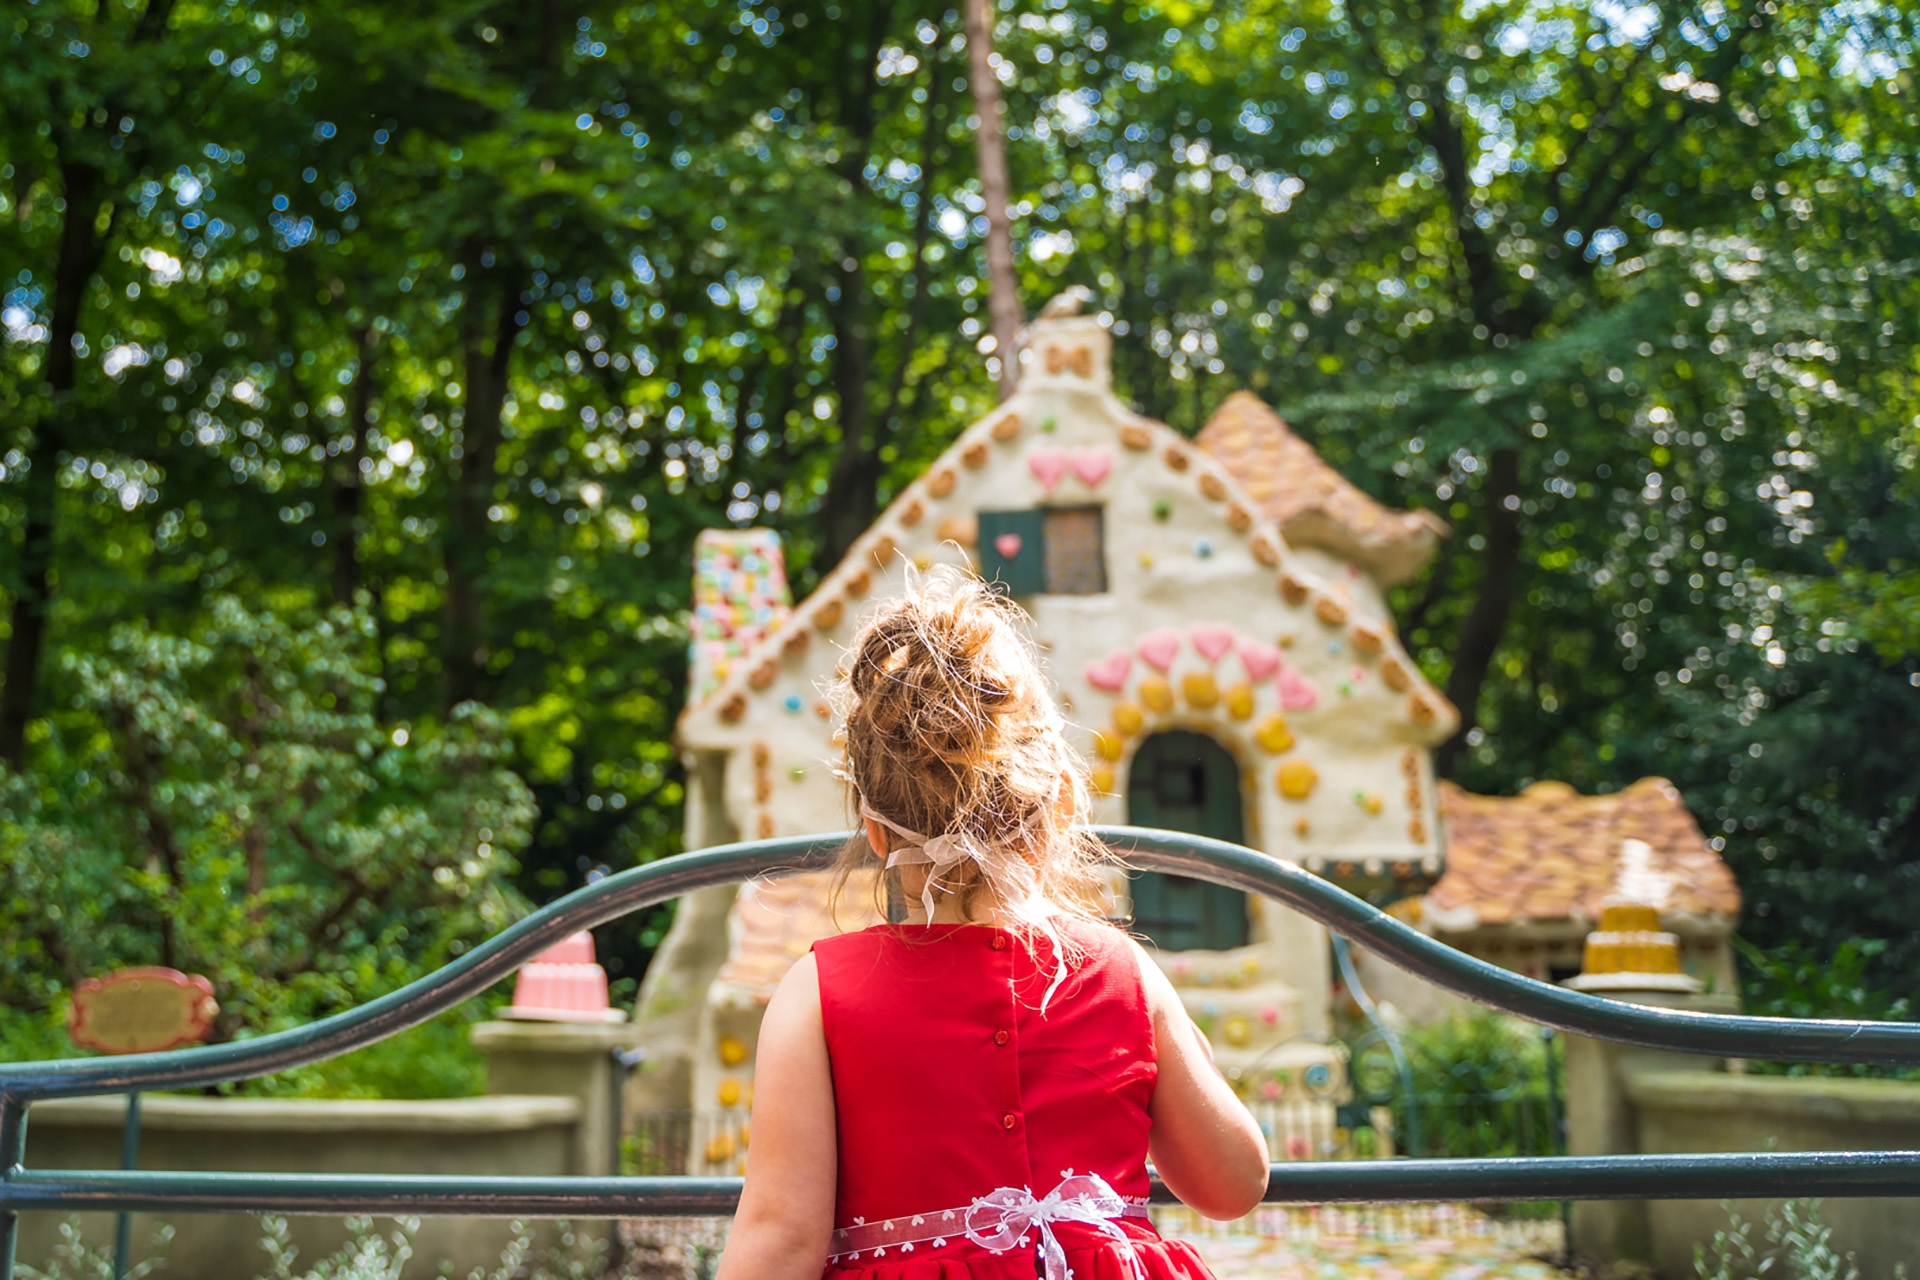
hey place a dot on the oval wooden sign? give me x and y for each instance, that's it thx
(141, 1011)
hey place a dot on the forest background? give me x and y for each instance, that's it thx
(369, 370)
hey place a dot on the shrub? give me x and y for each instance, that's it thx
(229, 803)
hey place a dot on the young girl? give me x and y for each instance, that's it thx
(973, 1094)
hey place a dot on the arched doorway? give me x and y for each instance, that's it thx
(1183, 781)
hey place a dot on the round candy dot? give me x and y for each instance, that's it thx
(1202, 547)
(1162, 509)
(792, 704)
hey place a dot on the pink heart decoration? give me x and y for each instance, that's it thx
(1109, 673)
(1297, 693)
(1211, 639)
(1008, 545)
(1092, 465)
(1357, 674)
(1048, 465)
(1260, 660)
(1159, 648)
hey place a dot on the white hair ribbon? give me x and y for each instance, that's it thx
(944, 852)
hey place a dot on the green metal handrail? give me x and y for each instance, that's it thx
(1537, 1178)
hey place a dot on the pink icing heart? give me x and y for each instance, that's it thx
(1260, 660)
(1048, 464)
(1109, 673)
(1008, 545)
(1297, 693)
(1211, 639)
(1159, 648)
(1092, 465)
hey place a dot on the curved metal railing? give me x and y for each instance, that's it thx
(1876, 1173)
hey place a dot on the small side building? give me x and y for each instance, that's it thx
(1526, 877)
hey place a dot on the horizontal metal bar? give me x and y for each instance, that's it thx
(1794, 1039)
(1826, 1174)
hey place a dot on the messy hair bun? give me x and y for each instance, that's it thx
(951, 730)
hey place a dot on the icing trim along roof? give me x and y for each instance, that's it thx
(1314, 505)
(1551, 855)
(1064, 355)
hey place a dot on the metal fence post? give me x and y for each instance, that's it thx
(13, 1154)
(129, 1159)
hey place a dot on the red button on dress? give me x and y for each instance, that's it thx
(999, 942)
(1000, 1036)
(1009, 1120)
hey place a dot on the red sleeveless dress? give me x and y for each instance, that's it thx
(949, 1083)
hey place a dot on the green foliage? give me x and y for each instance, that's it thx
(366, 1255)
(1480, 1080)
(227, 802)
(472, 315)
(1797, 1245)
(74, 1259)
(1795, 980)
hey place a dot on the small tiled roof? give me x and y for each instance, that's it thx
(1552, 854)
(1314, 505)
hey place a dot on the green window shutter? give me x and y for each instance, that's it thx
(1013, 551)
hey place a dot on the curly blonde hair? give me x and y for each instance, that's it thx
(950, 729)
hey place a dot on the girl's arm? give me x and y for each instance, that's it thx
(786, 1210)
(1205, 1145)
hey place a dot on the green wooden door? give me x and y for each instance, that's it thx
(1184, 781)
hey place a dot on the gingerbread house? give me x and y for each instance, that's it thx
(1211, 616)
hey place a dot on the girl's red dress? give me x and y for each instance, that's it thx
(949, 1082)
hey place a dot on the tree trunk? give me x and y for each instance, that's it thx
(463, 639)
(852, 499)
(348, 479)
(79, 258)
(1486, 622)
(1003, 288)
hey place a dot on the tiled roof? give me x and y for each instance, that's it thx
(1314, 505)
(1551, 854)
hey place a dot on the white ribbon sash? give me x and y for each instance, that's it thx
(1002, 1220)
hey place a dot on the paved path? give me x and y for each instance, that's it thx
(1440, 1243)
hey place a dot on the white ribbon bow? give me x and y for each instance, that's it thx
(942, 851)
(947, 850)
(1001, 1219)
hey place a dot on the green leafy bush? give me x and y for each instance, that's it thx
(1480, 1080)
(1795, 1244)
(229, 803)
(1794, 980)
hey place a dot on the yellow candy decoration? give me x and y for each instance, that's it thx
(720, 1149)
(1110, 745)
(1157, 694)
(729, 1092)
(1100, 778)
(1240, 701)
(1128, 719)
(1200, 689)
(1273, 734)
(1296, 779)
(733, 1051)
(1238, 1031)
